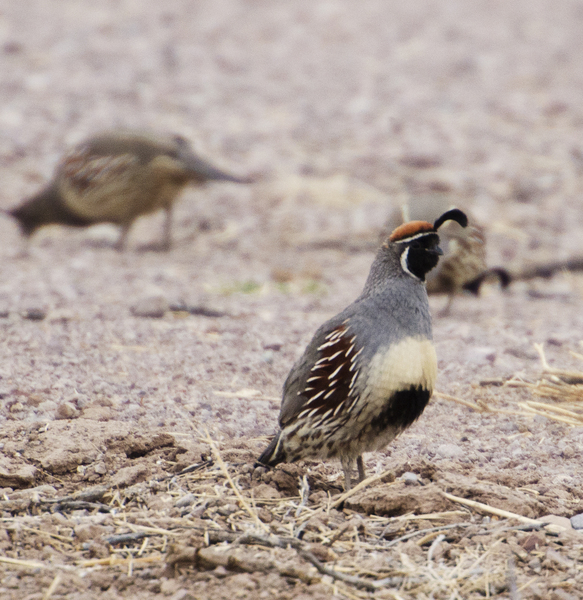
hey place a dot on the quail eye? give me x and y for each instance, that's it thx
(416, 245)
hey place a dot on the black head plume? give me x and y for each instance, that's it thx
(455, 214)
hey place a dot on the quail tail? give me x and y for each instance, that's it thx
(273, 454)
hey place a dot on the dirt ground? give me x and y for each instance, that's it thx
(341, 110)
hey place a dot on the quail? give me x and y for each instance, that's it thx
(463, 266)
(368, 372)
(115, 177)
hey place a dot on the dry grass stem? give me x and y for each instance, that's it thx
(53, 587)
(113, 561)
(474, 406)
(29, 564)
(342, 550)
(235, 489)
(360, 486)
(490, 509)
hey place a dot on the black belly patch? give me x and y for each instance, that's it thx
(403, 408)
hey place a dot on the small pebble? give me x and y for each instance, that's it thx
(100, 468)
(275, 346)
(67, 410)
(186, 500)
(265, 515)
(153, 307)
(410, 478)
(555, 520)
(227, 510)
(535, 565)
(577, 521)
(267, 357)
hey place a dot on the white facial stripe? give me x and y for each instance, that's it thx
(404, 266)
(414, 237)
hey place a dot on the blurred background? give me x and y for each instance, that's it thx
(344, 105)
(342, 110)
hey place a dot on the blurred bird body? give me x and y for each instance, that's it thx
(368, 372)
(116, 177)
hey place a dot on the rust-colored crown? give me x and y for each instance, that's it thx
(409, 229)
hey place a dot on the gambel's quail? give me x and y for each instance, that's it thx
(368, 372)
(116, 177)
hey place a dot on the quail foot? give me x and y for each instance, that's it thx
(368, 372)
(115, 177)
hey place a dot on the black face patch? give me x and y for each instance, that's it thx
(403, 408)
(422, 255)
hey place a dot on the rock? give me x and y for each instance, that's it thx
(153, 307)
(100, 468)
(535, 564)
(410, 478)
(67, 459)
(67, 410)
(398, 499)
(127, 476)
(265, 492)
(227, 510)
(577, 521)
(555, 522)
(137, 445)
(34, 494)
(265, 515)
(186, 500)
(532, 542)
(16, 475)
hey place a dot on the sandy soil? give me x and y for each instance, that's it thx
(341, 109)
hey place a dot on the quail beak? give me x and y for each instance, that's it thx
(437, 251)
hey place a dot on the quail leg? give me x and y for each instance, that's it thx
(447, 309)
(123, 236)
(347, 468)
(360, 465)
(167, 231)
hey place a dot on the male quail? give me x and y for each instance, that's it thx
(116, 177)
(463, 266)
(368, 372)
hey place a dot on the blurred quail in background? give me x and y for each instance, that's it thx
(463, 266)
(368, 372)
(115, 177)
